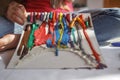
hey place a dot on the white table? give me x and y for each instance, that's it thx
(110, 54)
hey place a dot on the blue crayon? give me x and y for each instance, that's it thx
(116, 44)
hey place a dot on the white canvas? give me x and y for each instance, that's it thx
(44, 58)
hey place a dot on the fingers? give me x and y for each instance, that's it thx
(19, 11)
(16, 13)
(17, 19)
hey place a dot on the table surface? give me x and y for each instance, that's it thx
(111, 56)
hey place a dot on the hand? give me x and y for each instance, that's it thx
(65, 7)
(9, 41)
(16, 12)
(61, 4)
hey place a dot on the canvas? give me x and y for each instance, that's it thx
(58, 41)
